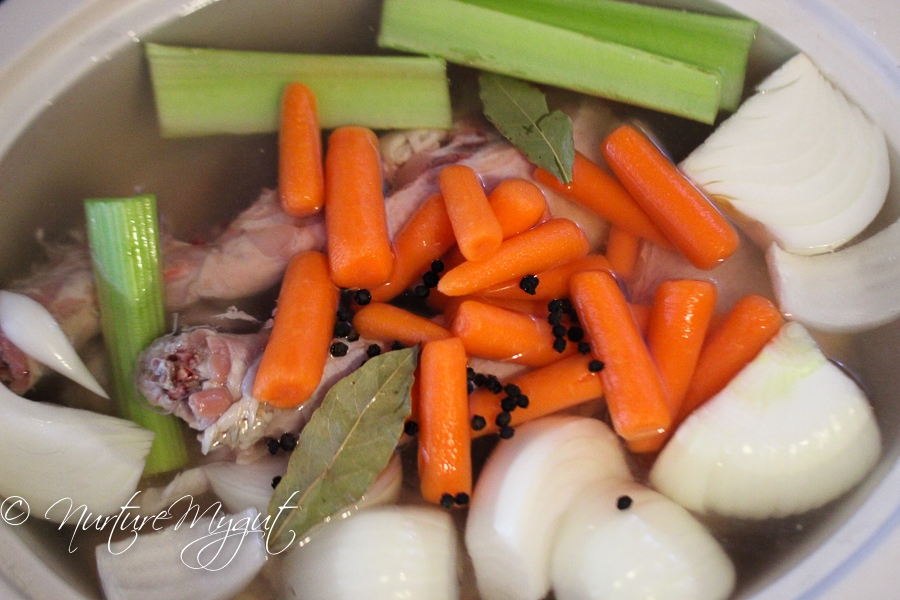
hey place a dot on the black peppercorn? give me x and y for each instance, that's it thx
(595, 366)
(373, 350)
(478, 422)
(430, 279)
(529, 284)
(273, 445)
(509, 403)
(421, 291)
(522, 400)
(506, 432)
(411, 428)
(362, 297)
(288, 442)
(339, 349)
(342, 329)
(623, 502)
(559, 344)
(462, 499)
(575, 334)
(275, 481)
(559, 331)
(584, 348)
(503, 419)
(447, 500)
(437, 265)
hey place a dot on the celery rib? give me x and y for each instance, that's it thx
(720, 44)
(124, 240)
(202, 91)
(519, 47)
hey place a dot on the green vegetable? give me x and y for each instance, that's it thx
(520, 113)
(717, 43)
(204, 91)
(124, 239)
(517, 47)
(346, 444)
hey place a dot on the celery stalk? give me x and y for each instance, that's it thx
(124, 239)
(204, 91)
(518, 47)
(717, 43)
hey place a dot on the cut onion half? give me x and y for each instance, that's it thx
(791, 432)
(524, 489)
(621, 541)
(797, 164)
(381, 553)
(851, 290)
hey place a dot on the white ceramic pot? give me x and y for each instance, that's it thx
(76, 120)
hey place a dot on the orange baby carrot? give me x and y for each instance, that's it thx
(518, 205)
(496, 333)
(681, 211)
(749, 325)
(445, 442)
(554, 283)
(641, 314)
(448, 305)
(634, 393)
(598, 191)
(543, 247)
(477, 230)
(301, 181)
(294, 359)
(359, 249)
(425, 237)
(622, 250)
(389, 323)
(679, 319)
(566, 383)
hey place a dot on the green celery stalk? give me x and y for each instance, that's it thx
(717, 43)
(204, 91)
(518, 47)
(124, 240)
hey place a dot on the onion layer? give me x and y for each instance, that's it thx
(797, 163)
(210, 559)
(35, 332)
(789, 433)
(524, 488)
(622, 541)
(853, 289)
(383, 552)
(60, 458)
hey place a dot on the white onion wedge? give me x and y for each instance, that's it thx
(381, 553)
(789, 433)
(622, 541)
(853, 289)
(525, 487)
(35, 332)
(797, 163)
(210, 559)
(60, 458)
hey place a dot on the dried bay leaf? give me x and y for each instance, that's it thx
(519, 111)
(346, 444)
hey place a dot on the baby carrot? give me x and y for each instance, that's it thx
(389, 323)
(545, 246)
(301, 183)
(496, 333)
(425, 237)
(634, 393)
(749, 325)
(554, 283)
(566, 383)
(359, 249)
(598, 191)
(448, 305)
(622, 250)
(294, 359)
(477, 230)
(518, 205)
(445, 442)
(679, 318)
(681, 211)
